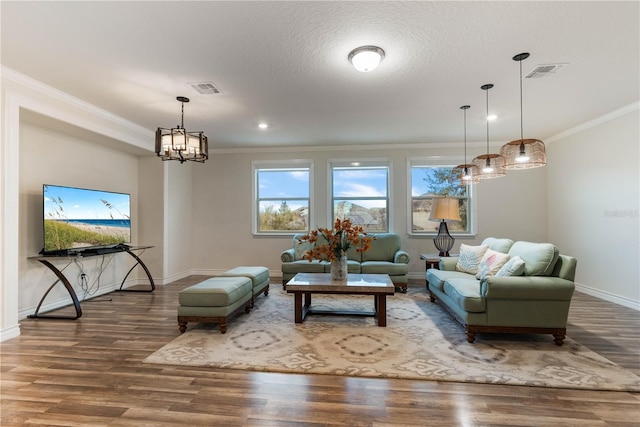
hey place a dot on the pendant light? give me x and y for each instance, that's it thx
(490, 165)
(467, 173)
(523, 153)
(178, 144)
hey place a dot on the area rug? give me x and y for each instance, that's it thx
(421, 341)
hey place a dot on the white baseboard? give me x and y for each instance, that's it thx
(616, 299)
(7, 334)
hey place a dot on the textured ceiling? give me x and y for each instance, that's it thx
(286, 63)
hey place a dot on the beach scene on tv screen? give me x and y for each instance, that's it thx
(78, 217)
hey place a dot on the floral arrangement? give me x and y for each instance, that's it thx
(339, 240)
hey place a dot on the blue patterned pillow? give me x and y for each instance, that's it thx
(470, 257)
(513, 267)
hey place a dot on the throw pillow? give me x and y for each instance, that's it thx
(301, 249)
(513, 267)
(470, 257)
(491, 263)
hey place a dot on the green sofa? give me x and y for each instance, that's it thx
(384, 257)
(535, 301)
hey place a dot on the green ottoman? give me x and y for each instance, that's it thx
(214, 300)
(259, 279)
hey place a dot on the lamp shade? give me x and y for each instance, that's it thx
(445, 209)
(524, 154)
(467, 174)
(490, 166)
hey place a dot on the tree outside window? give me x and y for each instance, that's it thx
(282, 199)
(429, 182)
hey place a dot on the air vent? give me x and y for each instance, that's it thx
(205, 88)
(544, 71)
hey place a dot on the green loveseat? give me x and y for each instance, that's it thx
(384, 257)
(536, 301)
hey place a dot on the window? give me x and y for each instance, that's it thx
(282, 197)
(428, 181)
(360, 192)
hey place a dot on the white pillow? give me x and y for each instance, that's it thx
(513, 267)
(491, 262)
(470, 257)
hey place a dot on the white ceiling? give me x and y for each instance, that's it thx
(286, 63)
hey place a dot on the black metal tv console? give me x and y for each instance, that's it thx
(71, 255)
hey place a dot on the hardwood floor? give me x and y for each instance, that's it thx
(89, 372)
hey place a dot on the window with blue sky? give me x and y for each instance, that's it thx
(282, 196)
(360, 192)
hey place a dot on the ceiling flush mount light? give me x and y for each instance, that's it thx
(490, 165)
(366, 58)
(444, 209)
(468, 172)
(523, 153)
(178, 144)
(263, 125)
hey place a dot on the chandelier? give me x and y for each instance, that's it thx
(178, 144)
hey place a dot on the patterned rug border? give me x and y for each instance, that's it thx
(369, 350)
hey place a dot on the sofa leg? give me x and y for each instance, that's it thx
(558, 338)
(471, 336)
(432, 297)
(182, 326)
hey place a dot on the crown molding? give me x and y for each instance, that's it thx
(138, 136)
(595, 122)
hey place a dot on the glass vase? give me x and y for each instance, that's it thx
(339, 269)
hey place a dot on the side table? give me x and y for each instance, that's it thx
(431, 261)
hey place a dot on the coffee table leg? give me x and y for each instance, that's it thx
(297, 307)
(381, 309)
(307, 300)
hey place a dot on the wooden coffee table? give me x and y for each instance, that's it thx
(378, 285)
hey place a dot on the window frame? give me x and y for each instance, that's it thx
(360, 163)
(440, 162)
(260, 165)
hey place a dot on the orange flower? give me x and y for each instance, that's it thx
(336, 241)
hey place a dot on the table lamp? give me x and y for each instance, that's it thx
(444, 209)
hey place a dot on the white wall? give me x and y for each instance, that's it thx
(178, 226)
(513, 206)
(593, 196)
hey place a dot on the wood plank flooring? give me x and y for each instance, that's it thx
(89, 372)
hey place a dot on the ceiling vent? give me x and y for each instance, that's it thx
(544, 71)
(205, 88)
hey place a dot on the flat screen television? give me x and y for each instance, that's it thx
(79, 218)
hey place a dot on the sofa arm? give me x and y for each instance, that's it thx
(287, 256)
(401, 257)
(527, 287)
(448, 263)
